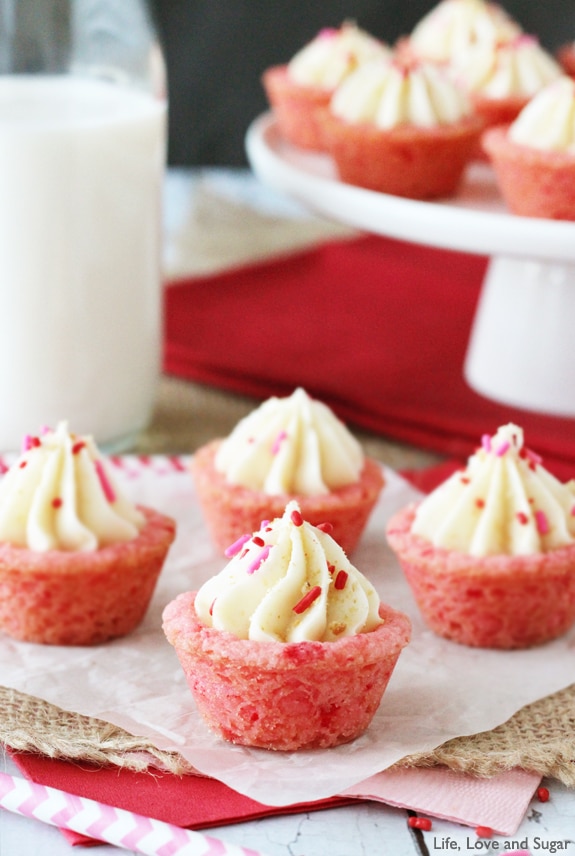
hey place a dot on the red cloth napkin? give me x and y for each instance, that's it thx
(376, 328)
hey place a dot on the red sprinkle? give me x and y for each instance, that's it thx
(30, 443)
(56, 502)
(22, 464)
(77, 447)
(259, 542)
(296, 517)
(307, 600)
(484, 831)
(325, 527)
(420, 823)
(104, 481)
(341, 580)
(542, 522)
(464, 480)
(212, 604)
(331, 568)
(522, 517)
(543, 794)
(480, 503)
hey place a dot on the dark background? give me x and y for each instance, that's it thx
(216, 50)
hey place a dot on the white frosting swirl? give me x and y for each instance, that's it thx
(389, 94)
(293, 445)
(289, 582)
(59, 496)
(519, 68)
(454, 27)
(504, 502)
(548, 121)
(333, 54)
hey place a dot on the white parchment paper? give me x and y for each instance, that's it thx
(438, 691)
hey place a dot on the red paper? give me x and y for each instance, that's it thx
(194, 802)
(376, 328)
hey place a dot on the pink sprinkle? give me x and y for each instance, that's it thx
(522, 517)
(259, 559)
(30, 442)
(502, 449)
(276, 445)
(104, 481)
(542, 522)
(327, 33)
(533, 456)
(264, 524)
(486, 442)
(235, 548)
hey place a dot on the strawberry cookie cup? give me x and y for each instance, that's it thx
(498, 601)
(64, 597)
(231, 511)
(285, 696)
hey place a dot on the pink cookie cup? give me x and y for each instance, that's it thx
(566, 58)
(296, 107)
(408, 161)
(533, 182)
(500, 602)
(285, 696)
(232, 511)
(82, 598)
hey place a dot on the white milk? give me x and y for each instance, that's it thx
(81, 169)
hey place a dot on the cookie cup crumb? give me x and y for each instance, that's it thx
(408, 161)
(285, 696)
(500, 602)
(533, 182)
(82, 598)
(231, 511)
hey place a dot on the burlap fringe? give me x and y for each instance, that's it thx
(539, 738)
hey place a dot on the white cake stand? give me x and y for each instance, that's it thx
(522, 346)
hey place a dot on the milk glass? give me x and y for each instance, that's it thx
(82, 158)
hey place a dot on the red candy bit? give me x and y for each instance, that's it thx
(341, 580)
(259, 542)
(484, 832)
(480, 503)
(104, 481)
(522, 517)
(420, 823)
(307, 600)
(56, 502)
(331, 568)
(296, 517)
(22, 464)
(77, 447)
(543, 794)
(30, 443)
(325, 527)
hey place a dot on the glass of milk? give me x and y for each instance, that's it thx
(82, 158)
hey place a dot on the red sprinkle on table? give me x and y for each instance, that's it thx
(543, 794)
(484, 832)
(419, 823)
(296, 517)
(325, 527)
(307, 600)
(341, 580)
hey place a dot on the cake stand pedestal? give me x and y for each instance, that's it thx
(522, 346)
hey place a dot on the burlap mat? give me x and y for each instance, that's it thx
(539, 738)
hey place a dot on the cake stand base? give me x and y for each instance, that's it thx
(522, 346)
